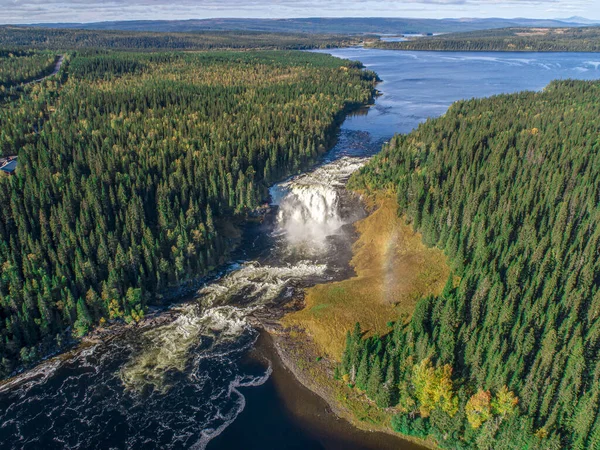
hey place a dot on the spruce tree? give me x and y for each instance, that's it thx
(388, 394)
(362, 374)
(347, 356)
(375, 379)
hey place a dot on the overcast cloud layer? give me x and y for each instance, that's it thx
(33, 11)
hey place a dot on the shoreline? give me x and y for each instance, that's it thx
(312, 411)
(286, 350)
(298, 355)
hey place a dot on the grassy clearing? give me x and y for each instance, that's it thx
(394, 269)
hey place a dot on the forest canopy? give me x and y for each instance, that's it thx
(17, 67)
(508, 356)
(132, 167)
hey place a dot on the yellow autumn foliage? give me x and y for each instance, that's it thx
(434, 388)
(479, 408)
(505, 402)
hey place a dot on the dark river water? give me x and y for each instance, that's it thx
(206, 378)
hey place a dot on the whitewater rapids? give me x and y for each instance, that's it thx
(310, 209)
(179, 382)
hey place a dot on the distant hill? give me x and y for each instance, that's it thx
(372, 25)
(583, 20)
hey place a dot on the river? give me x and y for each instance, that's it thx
(206, 378)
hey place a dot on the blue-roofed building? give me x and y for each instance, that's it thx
(8, 166)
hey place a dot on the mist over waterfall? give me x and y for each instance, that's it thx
(310, 213)
(315, 205)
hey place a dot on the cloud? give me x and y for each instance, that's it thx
(31, 11)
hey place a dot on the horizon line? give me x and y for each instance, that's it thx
(274, 19)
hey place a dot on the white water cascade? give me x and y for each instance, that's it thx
(311, 205)
(212, 322)
(311, 208)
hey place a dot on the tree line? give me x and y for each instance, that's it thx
(76, 39)
(507, 357)
(132, 168)
(577, 39)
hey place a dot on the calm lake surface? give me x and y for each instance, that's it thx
(206, 379)
(419, 85)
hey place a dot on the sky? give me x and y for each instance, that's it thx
(39, 11)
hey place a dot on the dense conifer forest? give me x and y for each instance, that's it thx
(578, 39)
(17, 67)
(507, 357)
(61, 39)
(131, 169)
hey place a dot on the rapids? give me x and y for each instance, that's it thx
(182, 378)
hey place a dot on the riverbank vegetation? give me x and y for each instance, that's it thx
(74, 39)
(506, 357)
(132, 168)
(577, 39)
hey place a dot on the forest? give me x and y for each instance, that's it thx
(133, 168)
(531, 39)
(17, 67)
(507, 357)
(28, 38)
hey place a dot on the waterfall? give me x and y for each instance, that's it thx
(311, 206)
(308, 214)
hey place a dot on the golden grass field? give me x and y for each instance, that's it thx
(393, 270)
